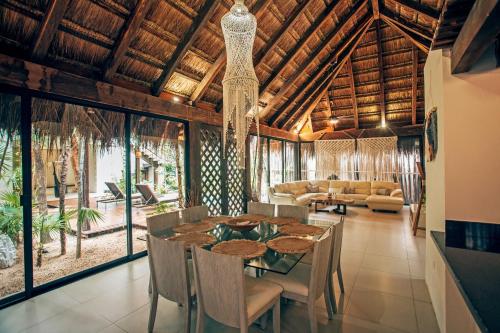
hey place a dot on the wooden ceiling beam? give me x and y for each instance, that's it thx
(423, 46)
(219, 63)
(353, 93)
(312, 97)
(48, 28)
(290, 21)
(480, 30)
(22, 74)
(128, 32)
(421, 9)
(381, 74)
(375, 9)
(206, 11)
(414, 91)
(405, 24)
(308, 34)
(310, 59)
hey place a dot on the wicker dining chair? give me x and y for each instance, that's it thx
(170, 277)
(298, 212)
(261, 208)
(158, 223)
(306, 283)
(336, 250)
(228, 296)
(194, 214)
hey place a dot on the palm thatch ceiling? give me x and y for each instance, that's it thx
(361, 60)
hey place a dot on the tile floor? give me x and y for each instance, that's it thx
(382, 264)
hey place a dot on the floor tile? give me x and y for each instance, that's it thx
(426, 319)
(386, 264)
(417, 268)
(420, 291)
(393, 311)
(395, 284)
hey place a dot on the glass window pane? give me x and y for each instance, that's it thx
(289, 161)
(276, 161)
(307, 161)
(78, 188)
(258, 167)
(157, 163)
(11, 211)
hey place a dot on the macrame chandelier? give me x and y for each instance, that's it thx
(240, 84)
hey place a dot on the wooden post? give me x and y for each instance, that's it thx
(194, 195)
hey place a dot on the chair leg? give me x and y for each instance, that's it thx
(312, 317)
(200, 320)
(341, 280)
(276, 317)
(152, 312)
(328, 301)
(187, 317)
(263, 321)
(150, 287)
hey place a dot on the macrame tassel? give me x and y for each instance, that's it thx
(240, 84)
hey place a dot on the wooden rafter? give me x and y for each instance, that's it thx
(308, 34)
(423, 46)
(480, 30)
(414, 81)
(129, 31)
(381, 73)
(421, 9)
(405, 24)
(209, 77)
(285, 27)
(376, 10)
(48, 28)
(312, 97)
(184, 44)
(310, 59)
(353, 92)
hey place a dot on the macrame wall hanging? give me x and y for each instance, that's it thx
(377, 158)
(335, 158)
(240, 84)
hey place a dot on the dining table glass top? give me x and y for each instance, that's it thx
(271, 260)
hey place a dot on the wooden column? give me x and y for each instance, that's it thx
(194, 194)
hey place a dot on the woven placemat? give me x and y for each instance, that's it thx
(193, 227)
(246, 249)
(242, 224)
(253, 217)
(290, 244)
(217, 219)
(297, 229)
(283, 220)
(194, 238)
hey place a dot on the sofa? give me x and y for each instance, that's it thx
(377, 195)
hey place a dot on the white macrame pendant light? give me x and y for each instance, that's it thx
(240, 84)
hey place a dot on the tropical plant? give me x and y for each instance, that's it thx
(85, 215)
(44, 224)
(11, 215)
(163, 207)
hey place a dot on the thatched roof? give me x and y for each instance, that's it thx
(176, 48)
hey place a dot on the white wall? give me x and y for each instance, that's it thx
(462, 182)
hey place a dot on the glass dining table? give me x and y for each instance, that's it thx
(271, 260)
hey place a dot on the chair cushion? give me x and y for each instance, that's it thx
(379, 185)
(296, 282)
(339, 183)
(312, 188)
(259, 294)
(360, 187)
(384, 199)
(323, 184)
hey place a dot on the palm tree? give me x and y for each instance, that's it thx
(43, 225)
(62, 197)
(85, 215)
(41, 183)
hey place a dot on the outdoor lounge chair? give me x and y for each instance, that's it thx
(116, 195)
(149, 197)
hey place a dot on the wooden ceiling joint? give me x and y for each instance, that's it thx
(415, 40)
(381, 74)
(421, 9)
(353, 93)
(375, 9)
(414, 83)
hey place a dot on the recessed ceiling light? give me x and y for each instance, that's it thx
(176, 99)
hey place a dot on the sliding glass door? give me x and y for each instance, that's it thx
(12, 274)
(276, 162)
(290, 162)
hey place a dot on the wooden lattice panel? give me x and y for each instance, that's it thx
(235, 182)
(211, 170)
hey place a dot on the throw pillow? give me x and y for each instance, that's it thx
(296, 192)
(312, 188)
(382, 191)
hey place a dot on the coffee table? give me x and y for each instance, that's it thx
(331, 205)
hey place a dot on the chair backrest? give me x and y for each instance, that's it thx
(169, 271)
(147, 193)
(219, 281)
(260, 208)
(160, 222)
(115, 190)
(194, 214)
(321, 264)
(299, 212)
(337, 244)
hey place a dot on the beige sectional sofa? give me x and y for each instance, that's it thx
(376, 195)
